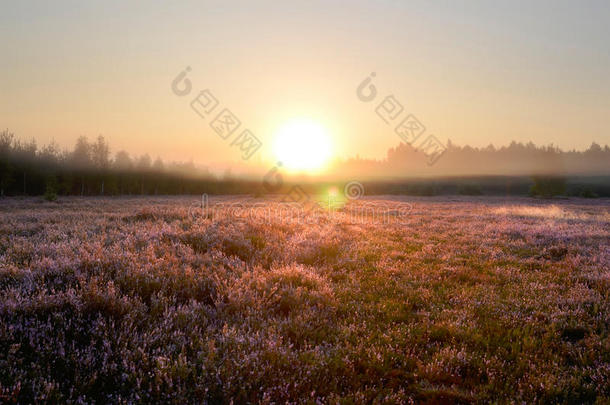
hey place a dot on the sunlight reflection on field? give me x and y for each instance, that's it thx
(550, 212)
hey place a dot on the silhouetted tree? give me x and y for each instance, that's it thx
(100, 154)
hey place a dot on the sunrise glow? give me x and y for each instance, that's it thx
(303, 145)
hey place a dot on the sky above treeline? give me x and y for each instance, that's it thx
(473, 72)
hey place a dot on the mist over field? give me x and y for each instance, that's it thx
(305, 202)
(91, 168)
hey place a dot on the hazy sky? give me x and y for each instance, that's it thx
(475, 72)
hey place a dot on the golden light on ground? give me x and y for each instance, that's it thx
(303, 145)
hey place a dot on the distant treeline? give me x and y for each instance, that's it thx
(516, 159)
(90, 170)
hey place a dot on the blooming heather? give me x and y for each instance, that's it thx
(139, 300)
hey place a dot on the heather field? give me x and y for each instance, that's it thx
(435, 300)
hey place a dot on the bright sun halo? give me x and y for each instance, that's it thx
(302, 145)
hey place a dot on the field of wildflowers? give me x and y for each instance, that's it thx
(464, 300)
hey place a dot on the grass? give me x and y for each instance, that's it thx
(463, 300)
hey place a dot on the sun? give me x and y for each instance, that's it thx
(302, 145)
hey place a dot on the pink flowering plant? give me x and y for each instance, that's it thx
(464, 300)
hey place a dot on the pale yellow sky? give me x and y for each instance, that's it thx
(473, 72)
